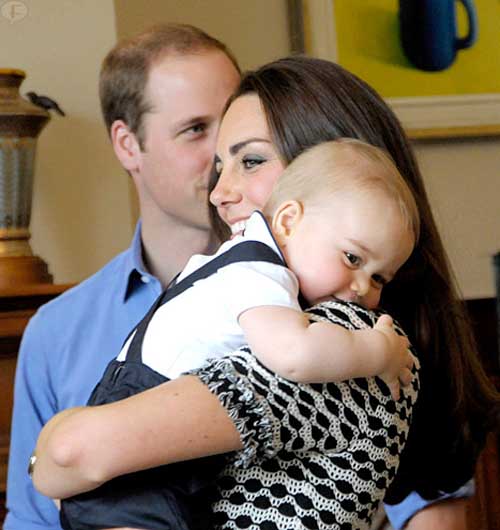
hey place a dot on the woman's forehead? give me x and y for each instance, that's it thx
(244, 118)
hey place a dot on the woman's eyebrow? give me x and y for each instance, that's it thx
(233, 150)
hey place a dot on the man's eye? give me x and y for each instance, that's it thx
(352, 258)
(196, 129)
(249, 162)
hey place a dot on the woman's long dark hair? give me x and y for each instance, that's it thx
(308, 101)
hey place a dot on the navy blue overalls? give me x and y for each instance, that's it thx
(175, 496)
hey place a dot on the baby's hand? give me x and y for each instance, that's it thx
(399, 361)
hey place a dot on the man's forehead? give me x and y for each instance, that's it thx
(192, 62)
(210, 71)
(190, 89)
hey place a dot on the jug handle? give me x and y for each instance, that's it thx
(471, 37)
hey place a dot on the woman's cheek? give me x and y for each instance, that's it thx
(261, 196)
(260, 193)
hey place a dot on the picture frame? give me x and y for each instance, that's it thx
(313, 32)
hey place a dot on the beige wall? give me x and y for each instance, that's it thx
(255, 30)
(463, 182)
(81, 214)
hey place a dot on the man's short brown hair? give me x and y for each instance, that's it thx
(125, 70)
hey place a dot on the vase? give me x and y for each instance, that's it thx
(20, 124)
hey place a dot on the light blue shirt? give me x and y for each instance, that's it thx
(399, 514)
(64, 351)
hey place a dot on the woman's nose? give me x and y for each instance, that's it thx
(225, 192)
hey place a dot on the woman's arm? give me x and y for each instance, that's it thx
(81, 448)
(226, 407)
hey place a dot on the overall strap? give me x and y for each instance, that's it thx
(246, 251)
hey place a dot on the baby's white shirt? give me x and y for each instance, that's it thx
(202, 322)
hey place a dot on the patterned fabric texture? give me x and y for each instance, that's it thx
(315, 456)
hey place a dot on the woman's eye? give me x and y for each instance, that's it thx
(249, 162)
(352, 259)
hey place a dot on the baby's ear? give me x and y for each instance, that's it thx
(286, 218)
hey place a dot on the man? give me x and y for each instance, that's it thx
(162, 95)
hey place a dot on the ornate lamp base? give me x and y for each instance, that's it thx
(18, 270)
(20, 125)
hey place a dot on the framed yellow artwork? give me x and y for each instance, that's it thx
(440, 75)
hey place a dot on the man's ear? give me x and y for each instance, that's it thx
(285, 220)
(126, 146)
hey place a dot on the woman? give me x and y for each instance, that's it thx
(304, 102)
(307, 101)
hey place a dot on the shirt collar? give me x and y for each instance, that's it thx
(135, 272)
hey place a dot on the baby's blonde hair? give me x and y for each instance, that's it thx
(342, 165)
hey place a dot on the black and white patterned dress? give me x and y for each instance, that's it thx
(315, 456)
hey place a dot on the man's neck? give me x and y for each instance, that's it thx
(168, 246)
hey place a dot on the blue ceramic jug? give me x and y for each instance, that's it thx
(428, 32)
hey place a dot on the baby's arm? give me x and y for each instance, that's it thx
(286, 342)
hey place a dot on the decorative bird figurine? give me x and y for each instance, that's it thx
(45, 102)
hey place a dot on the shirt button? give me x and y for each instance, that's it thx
(145, 279)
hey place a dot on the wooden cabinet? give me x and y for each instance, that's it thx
(17, 305)
(483, 510)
